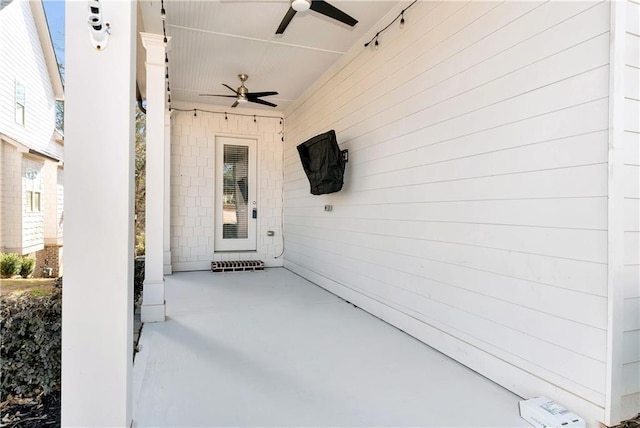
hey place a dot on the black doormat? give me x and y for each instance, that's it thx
(237, 266)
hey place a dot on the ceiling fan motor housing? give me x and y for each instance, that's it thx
(300, 5)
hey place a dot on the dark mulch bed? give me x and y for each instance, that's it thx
(631, 423)
(43, 411)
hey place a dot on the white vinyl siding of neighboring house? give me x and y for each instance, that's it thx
(11, 203)
(20, 103)
(631, 317)
(474, 212)
(27, 130)
(23, 62)
(59, 204)
(33, 204)
(54, 191)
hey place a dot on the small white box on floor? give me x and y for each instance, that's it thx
(545, 413)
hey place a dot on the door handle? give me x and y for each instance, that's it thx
(254, 213)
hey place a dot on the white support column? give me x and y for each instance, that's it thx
(153, 304)
(167, 194)
(97, 322)
(615, 215)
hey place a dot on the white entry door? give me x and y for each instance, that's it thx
(235, 195)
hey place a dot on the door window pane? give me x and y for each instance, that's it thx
(235, 192)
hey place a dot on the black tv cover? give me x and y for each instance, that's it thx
(323, 163)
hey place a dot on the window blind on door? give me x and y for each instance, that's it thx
(235, 192)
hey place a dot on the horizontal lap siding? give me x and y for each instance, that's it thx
(631, 144)
(475, 197)
(11, 202)
(22, 60)
(33, 223)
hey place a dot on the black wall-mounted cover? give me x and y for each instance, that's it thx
(323, 163)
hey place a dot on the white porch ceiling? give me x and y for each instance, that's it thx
(214, 41)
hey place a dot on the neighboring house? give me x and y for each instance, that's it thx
(31, 148)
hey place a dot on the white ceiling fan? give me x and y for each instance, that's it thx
(319, 6)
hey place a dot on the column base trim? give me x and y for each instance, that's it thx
(167, 269)
(166, 260)
(153, 293)
(152, 313)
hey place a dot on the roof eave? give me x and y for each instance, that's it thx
(40, 18)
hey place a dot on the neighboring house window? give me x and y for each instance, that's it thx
(33, 197)
(33, 202)
(20, 103)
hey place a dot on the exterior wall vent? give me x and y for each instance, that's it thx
(237, 266)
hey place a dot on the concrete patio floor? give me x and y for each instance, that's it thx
(269, 348)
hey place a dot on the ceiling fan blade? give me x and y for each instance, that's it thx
(233, 90)
(263, 102)
(216, 95)
(260, 94)
(326, 9)
(235, 104)
(286, 20)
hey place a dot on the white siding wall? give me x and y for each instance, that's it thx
(631, 337)
(33, 222)
(23, 60)
(52, 202)
(192, 187)
(474, 212)
(49, 202)
(2, 214)
(11, 199)
(60, 202)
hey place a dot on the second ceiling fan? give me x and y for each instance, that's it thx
(319, 6)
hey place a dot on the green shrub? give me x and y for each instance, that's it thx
(26, 269)
(10, 265)
(30, 352)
